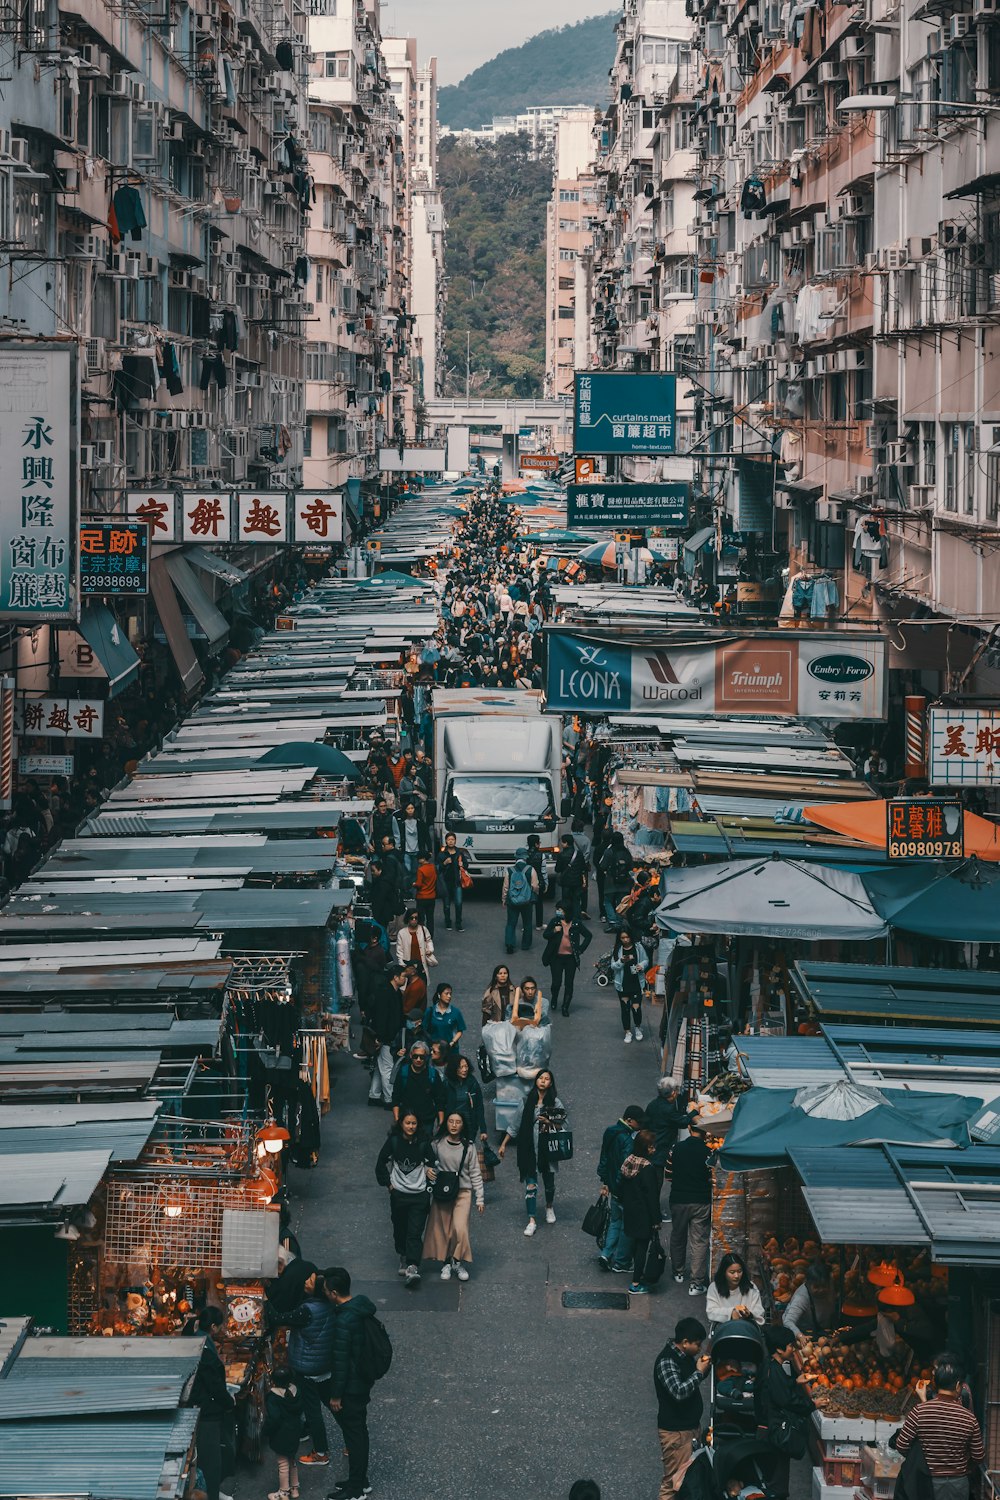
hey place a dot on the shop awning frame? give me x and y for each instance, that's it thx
(110, 644)
(178, 641)
(208, 616)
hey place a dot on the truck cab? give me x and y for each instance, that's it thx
(498, 774)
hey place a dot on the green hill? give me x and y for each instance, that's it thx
(495, 195)
(568, 65)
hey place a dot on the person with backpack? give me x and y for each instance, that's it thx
(615, 866)
(537, 862)
(566, 941)
(310, 1354)
(416, 1088)
(520, 890)
(457, 1178)
(571, 876)
(283, 1430)
(405, 1166)
(616, 1145)
(361, 1354)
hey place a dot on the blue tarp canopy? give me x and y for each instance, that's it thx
(768, 1123)
(773, 898)
(110, 644)
(938, 901)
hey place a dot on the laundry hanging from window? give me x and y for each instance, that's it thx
(126, 215)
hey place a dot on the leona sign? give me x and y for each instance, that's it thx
(821, 676)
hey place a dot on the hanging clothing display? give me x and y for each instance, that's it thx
(170, 369)
(128, 213)
(753, 199)
(870, 543)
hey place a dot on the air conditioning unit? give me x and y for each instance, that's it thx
(807, 94)
(94, 59)
(86, 246)
(138, 90)
(93, 358)
(873, 262)
(864, 484)
(150, 266)
(19, 149)
(959, 26)
(896, 258)
(787, 240)
(854, 47)
(852, 206)
(197, 418)
(830, 511)
(121, 84)
(274, 190)
(243, 278)
(898, 454)
(104, 452)
(133, 264)
(88, 455)
(952, 233)
(829, 72)
(871, 435)
(987, 7)
(181, 280)
(920, 496)
(118, 264)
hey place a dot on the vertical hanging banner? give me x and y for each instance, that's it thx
(39, 518)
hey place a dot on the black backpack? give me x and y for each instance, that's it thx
(375, 1355)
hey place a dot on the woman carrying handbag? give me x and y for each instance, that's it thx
(639, 1195)
(541, 1113)
(457, 1179)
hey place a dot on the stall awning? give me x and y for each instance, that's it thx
(162, 589)
(212, 622)
(768, 1124)
(855, 1197)
(110, 645)
(775, 898)
(700, 539)
(219, 567)
(959, 907)
(867, 822)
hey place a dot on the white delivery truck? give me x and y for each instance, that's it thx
(497, 774)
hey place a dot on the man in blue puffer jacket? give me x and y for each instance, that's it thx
(310, 1359)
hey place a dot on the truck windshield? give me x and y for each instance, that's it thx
(520, 803)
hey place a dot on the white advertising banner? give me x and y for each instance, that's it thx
(963, 746)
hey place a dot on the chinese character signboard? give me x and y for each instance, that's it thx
(821, 677)
(624, 413)
(539, 462)
(38, 420)
(924, 828)
(159, 511)
(262, 517)
(114, 557)
(605, 505)
(319, 516)
(72, 718)
(206, 518)
(963, 746)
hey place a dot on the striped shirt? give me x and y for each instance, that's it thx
(948, 1434)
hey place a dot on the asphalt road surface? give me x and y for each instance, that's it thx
(496, 1389)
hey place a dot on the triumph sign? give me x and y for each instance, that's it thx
(819, 676)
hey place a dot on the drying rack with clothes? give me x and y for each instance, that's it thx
(814, 595)
(870, 545)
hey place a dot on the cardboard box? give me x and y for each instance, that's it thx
(823, 1491)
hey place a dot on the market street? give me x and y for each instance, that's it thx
(495, 1389)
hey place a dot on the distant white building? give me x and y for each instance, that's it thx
(540, 121)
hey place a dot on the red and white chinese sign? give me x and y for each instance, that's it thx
(262, 517)
(66, 718)
(159, 511)
(318, 516)
(963, 746)
(206, 518)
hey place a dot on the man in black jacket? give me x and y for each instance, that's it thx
(677, 1374)
(616, 1144)
(385, 1017)
(418, 1089)
(666, 1116)
(349, 1392)
(691, 1210)
(571, 872)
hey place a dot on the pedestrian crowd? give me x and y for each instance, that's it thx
(655, 1163)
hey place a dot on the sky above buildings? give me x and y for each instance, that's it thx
(464, 33)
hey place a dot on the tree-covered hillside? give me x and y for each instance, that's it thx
(568, 65)
(495, 197)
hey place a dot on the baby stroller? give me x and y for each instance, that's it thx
(737, 1350)
(603, 967)
(740, 1470)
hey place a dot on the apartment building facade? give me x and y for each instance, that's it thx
(154, 193)
(849, 306)
(359, 395)
(642, 279)
(569, 229)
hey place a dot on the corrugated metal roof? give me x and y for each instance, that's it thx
(893, 993)
(780, 1062)
(45, 1392)
(215, 911)
(64, 1179)
(122, 1140)
(855, 1196)
(111, 1460)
